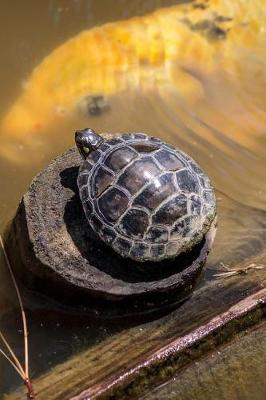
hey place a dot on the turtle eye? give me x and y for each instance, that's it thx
(86, 149)
(145, 147)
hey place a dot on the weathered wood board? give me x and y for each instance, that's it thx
(129, 363)
(236, 371)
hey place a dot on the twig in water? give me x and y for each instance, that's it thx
(13, 360)
(237, 271)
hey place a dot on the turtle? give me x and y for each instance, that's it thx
(143, 197)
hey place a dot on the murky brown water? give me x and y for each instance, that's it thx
(223, 129)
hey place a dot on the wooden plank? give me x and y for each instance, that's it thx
(168, 359)
(236, 371)
(128, 363)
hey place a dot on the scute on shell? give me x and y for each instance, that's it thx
(146, 199)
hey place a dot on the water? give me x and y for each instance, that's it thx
(215, 112)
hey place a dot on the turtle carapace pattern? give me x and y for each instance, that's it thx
(146, 199)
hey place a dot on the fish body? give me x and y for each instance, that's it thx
(187, 50)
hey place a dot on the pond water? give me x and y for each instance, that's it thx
(202, 89)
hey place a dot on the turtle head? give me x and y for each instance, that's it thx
(87, 140)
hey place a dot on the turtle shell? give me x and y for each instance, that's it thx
(145, 198)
